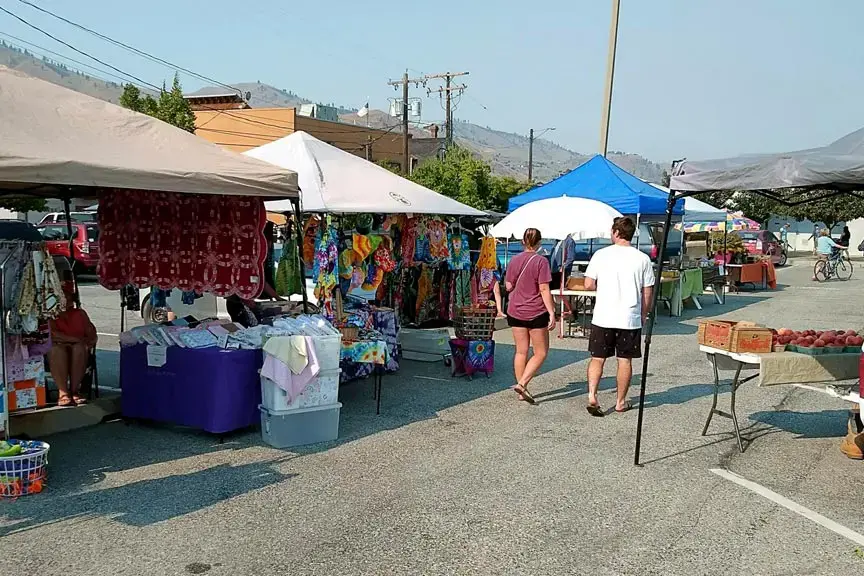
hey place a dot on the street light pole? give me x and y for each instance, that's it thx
(610, 75)
(531, 152)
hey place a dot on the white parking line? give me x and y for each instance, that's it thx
(107, 334)
(790, 505)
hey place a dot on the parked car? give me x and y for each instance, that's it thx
(648, 236)
(55, 217)
(85, 243)
(763, 242)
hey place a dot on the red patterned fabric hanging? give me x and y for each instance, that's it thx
(205, 243)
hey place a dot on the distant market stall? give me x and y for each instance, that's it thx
(62, 144)
(790, 178)
(372, 236)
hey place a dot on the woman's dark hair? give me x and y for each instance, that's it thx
(531, 238)
(624, 227)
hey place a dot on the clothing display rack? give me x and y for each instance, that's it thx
(15, 247)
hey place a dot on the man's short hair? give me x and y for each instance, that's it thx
(624, 227)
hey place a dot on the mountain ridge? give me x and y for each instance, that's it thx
(505, 152)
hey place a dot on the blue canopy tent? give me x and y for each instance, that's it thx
(599, 179)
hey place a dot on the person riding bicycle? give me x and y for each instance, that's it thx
(826, 247)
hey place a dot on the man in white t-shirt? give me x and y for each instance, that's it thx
(623, 278)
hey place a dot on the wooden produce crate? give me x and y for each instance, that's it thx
(716, 334)
(751, 340)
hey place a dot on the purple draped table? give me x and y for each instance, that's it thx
(210, 389)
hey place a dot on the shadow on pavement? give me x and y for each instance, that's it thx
(147, 501)
(420, 390)
(823, 424)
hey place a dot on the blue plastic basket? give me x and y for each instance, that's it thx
(26, 472)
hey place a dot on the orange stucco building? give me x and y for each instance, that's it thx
(241, 130)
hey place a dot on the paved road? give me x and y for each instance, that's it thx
(456, 477)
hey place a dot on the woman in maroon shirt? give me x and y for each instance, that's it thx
(530, 312)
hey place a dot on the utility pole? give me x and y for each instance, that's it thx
(610, 75)
(406, 160)
(531, 151)
(368, 147)
(448, 90)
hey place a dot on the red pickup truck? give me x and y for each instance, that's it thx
(85, 243)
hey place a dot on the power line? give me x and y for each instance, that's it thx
(83, 53)
(153, 86)
(130, 48)
(63, 56)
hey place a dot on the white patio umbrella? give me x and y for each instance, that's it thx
(557, 218)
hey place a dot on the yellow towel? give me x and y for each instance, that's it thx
(291, 350)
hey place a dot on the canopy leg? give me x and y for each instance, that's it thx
(649, 329)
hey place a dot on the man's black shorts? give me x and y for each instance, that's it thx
(608, 342)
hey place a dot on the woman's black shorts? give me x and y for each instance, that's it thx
(541, 321)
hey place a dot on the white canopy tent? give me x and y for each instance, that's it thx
(332, 180)
(557, 218)
(53, 139)
(698, 211)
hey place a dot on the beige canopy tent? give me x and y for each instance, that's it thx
(54, 140)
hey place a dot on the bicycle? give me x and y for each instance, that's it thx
(837, 265)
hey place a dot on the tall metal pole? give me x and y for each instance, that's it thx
(449, 120)
(610, 75)
(406, 161)
(531, 156)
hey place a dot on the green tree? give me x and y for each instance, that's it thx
(461, 176)
(504, 188)
(170, 107)
(23, 204)
(830, 211)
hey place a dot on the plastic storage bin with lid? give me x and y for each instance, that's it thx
(300, 427)
(321, 391)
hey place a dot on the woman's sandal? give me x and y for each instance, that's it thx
(79, 401)
(595, 410)
(524, 394)
(65, 402)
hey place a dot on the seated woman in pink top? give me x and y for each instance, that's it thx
(530, 312)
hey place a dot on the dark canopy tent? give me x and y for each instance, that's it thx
(791, 178)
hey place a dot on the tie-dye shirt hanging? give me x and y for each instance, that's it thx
(460, 257)
(436, 230)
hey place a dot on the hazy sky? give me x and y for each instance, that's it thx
(694, 78)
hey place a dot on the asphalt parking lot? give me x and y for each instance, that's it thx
(457, 477)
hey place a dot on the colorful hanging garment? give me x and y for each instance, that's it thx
(409, 241)
(201, 242)
(436, 230)
(488, 258)
(460, 256)
(383, 256)
(326, 261)
(287, 272)
(310, 232)
(424, 292)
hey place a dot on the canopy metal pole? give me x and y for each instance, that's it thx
(561, 287)
(299, 225)
(67, 212)
(638, 235)
(649, 329)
